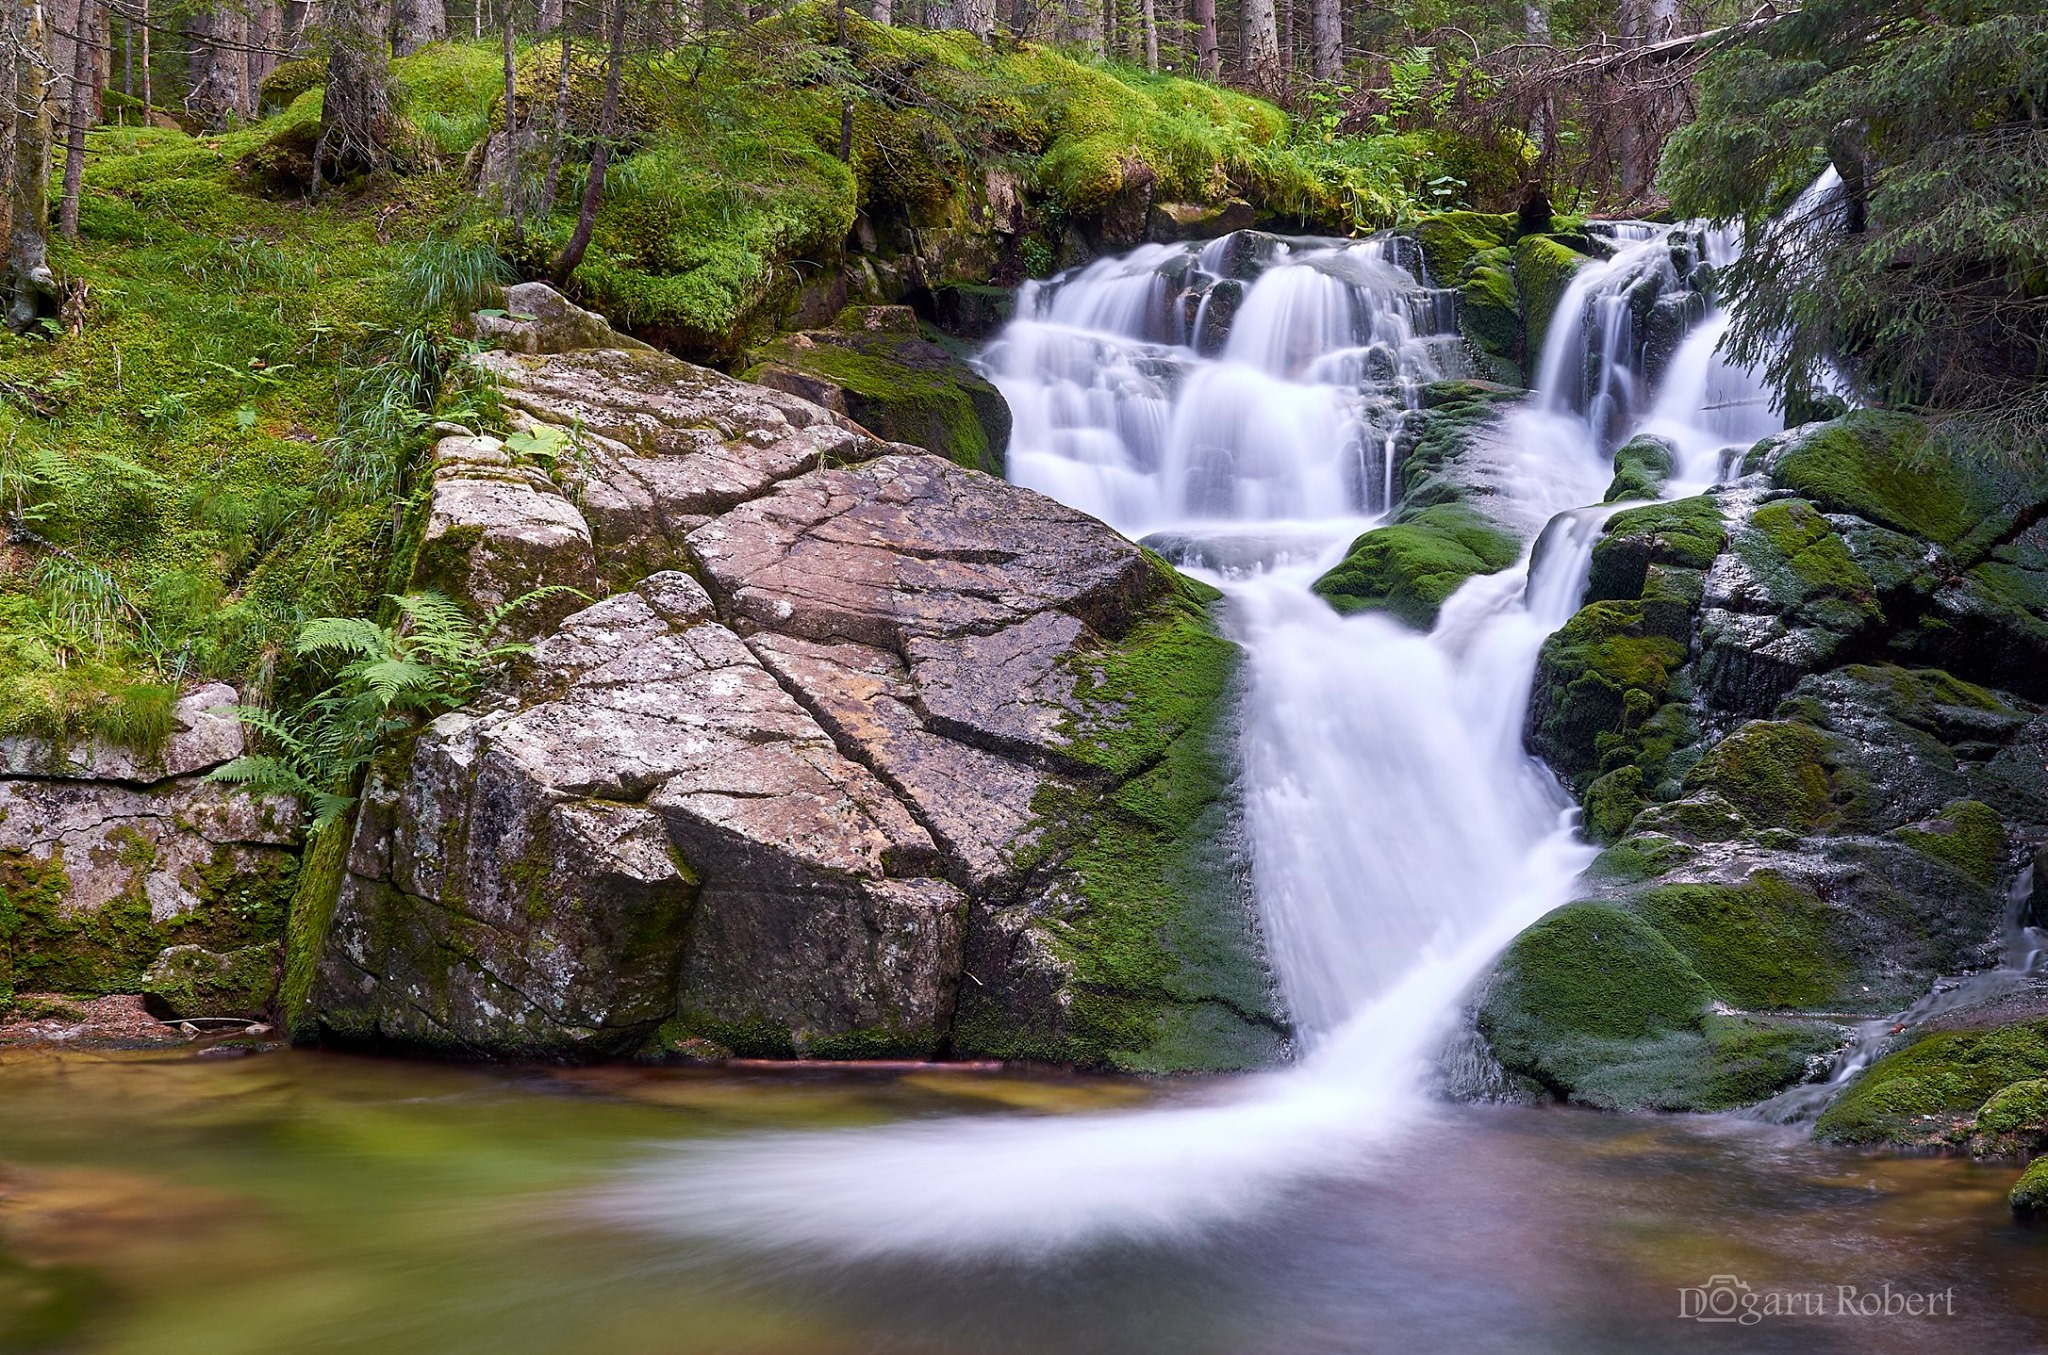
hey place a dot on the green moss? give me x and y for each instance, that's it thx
(1408, 570)
(1642, 467)
(1942, 1074)
(1163, 973)
(901, 387)
(1883, 468)
(1639, 857)
(1601, 677)
(1490, 313)
(1775, 773)
(2029, 1198)
(1543, 269)
(1612, 803)
(312, 911)
(191, 981)
(2021, 1108)
(1967, 835)
(1685, 533)
(1450, 240)
(1766, 943)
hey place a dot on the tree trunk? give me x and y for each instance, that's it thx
(1326, 39)
(1208, 41)
(148, 85)
(299, 18)
(513, 139)
(1148, 13)
(219, 68)
(355, 119)
(882, 12)
(266, 23)
(600, 154)
(418, 22)
(559, 150)
(550, 15)
(85, 71)
(1261, 43)
(979, 18)
(32, 288)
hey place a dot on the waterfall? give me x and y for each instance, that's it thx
(1248, 394)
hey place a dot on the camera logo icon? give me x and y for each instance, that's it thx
(1723, 1298)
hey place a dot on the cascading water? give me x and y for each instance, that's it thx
(1246, 398)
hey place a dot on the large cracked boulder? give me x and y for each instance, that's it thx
(861, 753)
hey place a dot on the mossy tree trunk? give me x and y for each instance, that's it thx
(31, 286)
(355, 117)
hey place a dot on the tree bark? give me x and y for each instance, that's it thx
(355, 119)
(1208, 40)
(220, 65)
(600, 154)
(979, 18)
(266, 26)
(512, 134)
(299, 18)
(32, 288)
(148, 85)
(882, 12)
(559, 150)
(550, 15)
(1261, 43)
(1326, 39)
(85, 70)
(417, 23)
(1148, 14)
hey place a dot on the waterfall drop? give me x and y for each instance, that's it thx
(1244, 401)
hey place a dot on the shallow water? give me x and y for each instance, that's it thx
(304, 1202)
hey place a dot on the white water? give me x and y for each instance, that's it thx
(1401, 835)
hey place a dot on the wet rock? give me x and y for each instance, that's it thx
(184, 982)
(909, 760)
(1642, 466)
(874, 366)
(1169, 222)
(1409, 569)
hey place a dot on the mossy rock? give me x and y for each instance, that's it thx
(1882, 467)
(1544, 266)
(1642, 467)
(191, 981)
(1600, 679)
(1490, 314)
(1807, 569)
(1764, 944)
(1150, 951)
(1967, 834)
(1928, 1091)
(2013, 1122)
(1407, 570)
(287, 81)
(1685, 533)
(1450, 240)
(896, 384)
(1775, 773)
(1597, 1006)
(2029, 1198)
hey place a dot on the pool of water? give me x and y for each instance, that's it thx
(304, 1202)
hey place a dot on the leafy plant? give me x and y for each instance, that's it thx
(431, 658)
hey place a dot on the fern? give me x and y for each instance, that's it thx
(432, 658)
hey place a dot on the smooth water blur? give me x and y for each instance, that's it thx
(324, 1205)
(1401, 835)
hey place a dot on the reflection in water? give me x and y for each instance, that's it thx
(311, 1203)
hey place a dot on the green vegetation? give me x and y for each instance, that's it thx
(2029, 1198)
(1407, 570)
(1930, 1088)
(1155, 936)
(1762, 944)
(1930, 112)
(1642, 466)
(1774, 772)
(1968, 835)
(431, 658)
